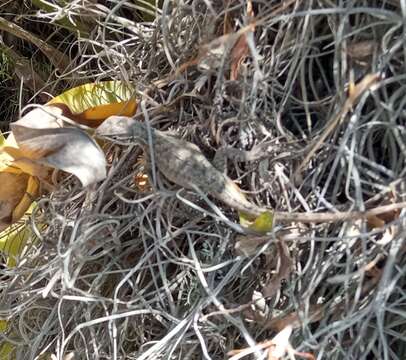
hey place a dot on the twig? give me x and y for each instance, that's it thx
(337, 216)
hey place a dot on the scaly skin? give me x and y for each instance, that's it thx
(182, 163)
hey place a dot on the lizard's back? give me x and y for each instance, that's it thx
(183, 163)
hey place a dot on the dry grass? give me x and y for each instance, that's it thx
(122, 272)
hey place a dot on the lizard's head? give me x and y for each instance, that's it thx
(117, 125)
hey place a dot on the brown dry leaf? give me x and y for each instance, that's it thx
(18, 163)
(238, 54)
(389, 216)
(240, 49)
(42, 139)
(285, 266)
(375, 222)
(12, 190)
(17, 191)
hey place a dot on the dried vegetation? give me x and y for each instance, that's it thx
(130, 269)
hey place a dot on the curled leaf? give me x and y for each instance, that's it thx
(91, 104)
(17, 191)
(41, 137)
(240, 50)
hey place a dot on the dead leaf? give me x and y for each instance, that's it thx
(41, 137)
(44, 139)
(280, 344)
(285, 266)
(96, 115)
(238, 54)
(374, 222)
(277, 346)
(391, 215)
(90, 104)
(240, 50)
(17, 191)
(12, 191)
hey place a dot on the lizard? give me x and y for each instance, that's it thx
(181, 162)
(184, 164)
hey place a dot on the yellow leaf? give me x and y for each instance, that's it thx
(7, 351)
(90, 95)
(102, 112)
(262, 224)
(3, 326)
(90, 104)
